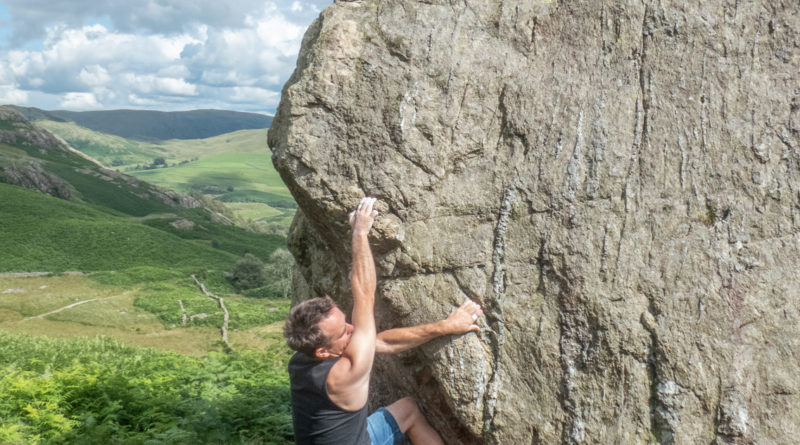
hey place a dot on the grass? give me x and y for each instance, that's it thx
(227, 238)
(89, 183)
(132, 307)
(71, 383)
(42, 233)
(237, 179)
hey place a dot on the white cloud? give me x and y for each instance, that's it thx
(136, 100)
(150, 84)
(155, 53)
(11, 95)
(248, 94)
(278, 34)
(80, 101)
(94, 75)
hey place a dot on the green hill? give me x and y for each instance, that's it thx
(144, 125)
(43, 233)
(113, 219)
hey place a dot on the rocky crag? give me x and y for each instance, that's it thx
(617, 183)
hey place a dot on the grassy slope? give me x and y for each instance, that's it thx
(141, 311)
(104, 147)
(40, 232)
(87, 180)
(250, 176)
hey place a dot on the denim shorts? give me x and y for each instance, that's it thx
(383, 429)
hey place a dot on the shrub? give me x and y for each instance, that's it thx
(248, 273)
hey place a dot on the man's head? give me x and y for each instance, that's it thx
(318, 328)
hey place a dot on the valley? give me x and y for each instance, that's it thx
(104, 335)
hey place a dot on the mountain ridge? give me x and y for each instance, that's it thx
(150, 126)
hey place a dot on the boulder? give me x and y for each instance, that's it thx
(617, 183)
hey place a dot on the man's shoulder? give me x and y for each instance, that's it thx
(301, 363)
(298, 357)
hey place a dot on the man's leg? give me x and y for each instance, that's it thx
(411, 422)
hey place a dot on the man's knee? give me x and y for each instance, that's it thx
(406, 413)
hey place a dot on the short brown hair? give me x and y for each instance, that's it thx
(302, 330)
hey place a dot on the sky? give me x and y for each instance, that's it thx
(163, 55)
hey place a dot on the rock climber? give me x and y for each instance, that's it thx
(331, 369)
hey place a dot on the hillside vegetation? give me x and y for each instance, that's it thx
(92, 391)
(40, 232)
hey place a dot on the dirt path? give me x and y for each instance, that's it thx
(70, 306)
(34, 274)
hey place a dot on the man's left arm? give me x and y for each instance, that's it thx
(460, 321)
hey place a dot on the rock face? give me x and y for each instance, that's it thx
(617, 183)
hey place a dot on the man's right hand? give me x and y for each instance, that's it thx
(361, 218)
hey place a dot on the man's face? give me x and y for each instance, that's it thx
(338, 330)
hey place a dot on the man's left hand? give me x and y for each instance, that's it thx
(464, 319)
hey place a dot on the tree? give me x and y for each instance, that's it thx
(278, 271)
(248, 273)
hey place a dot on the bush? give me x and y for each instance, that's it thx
(248, 273)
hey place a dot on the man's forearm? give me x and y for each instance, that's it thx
(363, 280)
(403, 339)
(462, 320)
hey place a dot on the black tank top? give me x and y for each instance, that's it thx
(316, 419)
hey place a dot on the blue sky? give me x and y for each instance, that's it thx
(150, 54)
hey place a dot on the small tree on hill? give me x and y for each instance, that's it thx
(278, 272)
(248, 273)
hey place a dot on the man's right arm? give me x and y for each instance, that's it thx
(348, 381)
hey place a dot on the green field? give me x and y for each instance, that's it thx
(42, 233)
(238, 171)
(233, 178)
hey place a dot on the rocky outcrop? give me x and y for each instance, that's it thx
(617, 183)
(31, 175)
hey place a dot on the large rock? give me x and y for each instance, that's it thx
(618, 183)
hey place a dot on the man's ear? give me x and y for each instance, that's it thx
(323, 354)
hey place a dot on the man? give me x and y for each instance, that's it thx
(330, 372)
